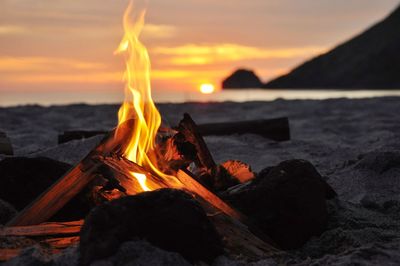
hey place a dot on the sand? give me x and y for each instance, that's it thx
(354, 144)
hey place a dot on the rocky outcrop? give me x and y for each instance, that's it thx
(241, 79)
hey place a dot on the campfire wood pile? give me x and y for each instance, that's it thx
(183, 153)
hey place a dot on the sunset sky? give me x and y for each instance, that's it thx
(67, 45)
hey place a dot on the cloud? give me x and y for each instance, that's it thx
(18, 64)
(11, 29)
(159, 31)
(194, 54)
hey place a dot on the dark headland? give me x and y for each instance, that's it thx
(370, 60)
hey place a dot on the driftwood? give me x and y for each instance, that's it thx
(51, 236)
(44, 229)
(5, 145)
(276, 129)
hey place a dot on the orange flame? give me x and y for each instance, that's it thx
(138, 103)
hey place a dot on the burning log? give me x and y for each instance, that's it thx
(5, 145)
(208, 173)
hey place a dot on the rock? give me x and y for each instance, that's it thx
(142, 253)
(7, 212)
(287, 202)
(242, 78)
(23, 179)
(167, 218)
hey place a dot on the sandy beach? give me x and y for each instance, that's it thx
(354, 144)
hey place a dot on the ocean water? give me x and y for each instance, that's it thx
(10, 98)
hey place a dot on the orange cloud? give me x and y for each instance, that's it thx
(14, 64)
(11, 29)
(193, 54)
(159, 31)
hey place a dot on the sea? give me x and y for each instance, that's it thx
(14, 98)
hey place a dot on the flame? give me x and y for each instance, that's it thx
(138, 103)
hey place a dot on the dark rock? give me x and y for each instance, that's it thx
(170, 219)
(370, 60)
(7, 212)
(23, 179)
(287, 202)
(242, 78)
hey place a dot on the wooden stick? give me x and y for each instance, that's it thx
(190, 130)
(60, 242)
(54, 198)
(44, 229)
(68, 186)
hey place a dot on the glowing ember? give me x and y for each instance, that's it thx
(141, 178)
(207, 88)
(138, 103)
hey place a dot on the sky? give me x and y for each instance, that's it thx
(68, 45)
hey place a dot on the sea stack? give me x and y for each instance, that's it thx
(242, 79)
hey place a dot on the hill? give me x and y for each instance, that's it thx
(370, 60)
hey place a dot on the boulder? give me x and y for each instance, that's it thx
(287, 202)
(168, 218)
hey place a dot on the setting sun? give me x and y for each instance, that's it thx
(207, 88)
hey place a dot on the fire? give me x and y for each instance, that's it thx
(207, 88)
(138, 103)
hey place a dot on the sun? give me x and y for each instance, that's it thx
(207, 88)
